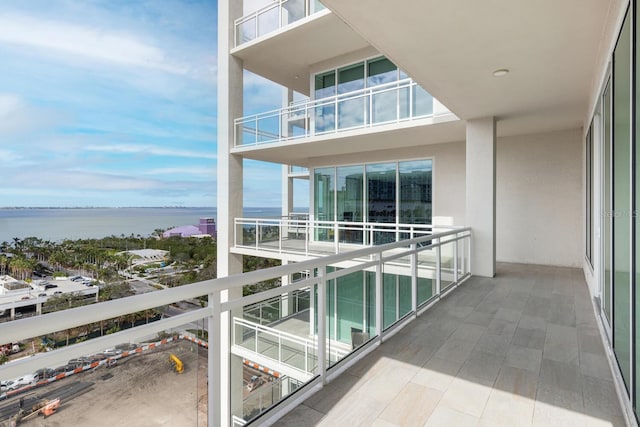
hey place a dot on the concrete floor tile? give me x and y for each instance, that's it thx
(301, 415)
(524, 358)
(600, 399)
(494, 344)
(533, 322)
(561, 344)
(481, 367)
(333, 392)
(529, 338)
(508, 314)
(595, 366)
(388, 382)
(560, 376)
(438, 373)
(469, 332)
(412, 406)
(479, 318)
(455, 349)
(446, 417)
(466, 396)
(505, 328)
(503, 410)
(519, 383)
(354, 410)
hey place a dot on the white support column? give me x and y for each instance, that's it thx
(322, 324)
(379, 297)
(481, 194)
(230, 92)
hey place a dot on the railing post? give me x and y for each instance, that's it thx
(455, 259)
(214, 387)
(322, 323)
(437, 272)
(336, 240)
(379, 302)
(257, 234)
(414, 279)
(469, 253)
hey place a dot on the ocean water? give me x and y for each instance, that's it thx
(56, 224)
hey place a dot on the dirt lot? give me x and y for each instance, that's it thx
(142, 390)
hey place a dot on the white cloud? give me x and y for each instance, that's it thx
(16, 115)
(150, 149)
(89, 42)
(200, 171)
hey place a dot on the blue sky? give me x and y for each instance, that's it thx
(113, 103)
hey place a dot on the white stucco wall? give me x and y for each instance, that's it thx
(539, 199)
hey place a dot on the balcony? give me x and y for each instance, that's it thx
(303, 341)
(299, 236)
(272, 18)
(522, 349)
(280, 41)
(400, 106)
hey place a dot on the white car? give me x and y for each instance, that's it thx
(25, 380)
(8, 385)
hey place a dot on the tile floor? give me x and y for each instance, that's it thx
(522, 349)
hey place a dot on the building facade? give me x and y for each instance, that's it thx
(530, 142)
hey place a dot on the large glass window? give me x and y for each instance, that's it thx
(350, 195)
(622, 201)
(381, 200)
(415, 192)
(608, 209)
(371, 193)
(589, 195)
(324, 194)
(381, 71)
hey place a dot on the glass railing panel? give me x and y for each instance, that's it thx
(446, 264)
(246, 233)
(293, 10)
(271, 360)
(384, 106)
(166, 372)
(352, 113)
(349, 307)
(363, 108)
(404, 103)
(246, 31)
(324, 118)
(422, 102)
(317, 6)
(268, 21)
(426, 266)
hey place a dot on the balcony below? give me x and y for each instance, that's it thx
(522, 349)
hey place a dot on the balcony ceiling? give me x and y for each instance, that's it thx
(285, 56)
(409, 134)
(452, 48)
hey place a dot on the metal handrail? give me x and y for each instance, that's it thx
(217, 310)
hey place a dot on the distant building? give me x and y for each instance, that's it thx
(147, 256)
(206, 228)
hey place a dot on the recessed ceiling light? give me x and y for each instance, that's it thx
(501, 72)
(296, 77)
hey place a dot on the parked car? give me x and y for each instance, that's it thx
(42, 294)
(50, 286)
(44, 373)
(57, 293)
(8, 385)
(25, 380)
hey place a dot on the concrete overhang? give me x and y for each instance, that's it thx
(552, 49)
(285, 56)
(299, 152)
